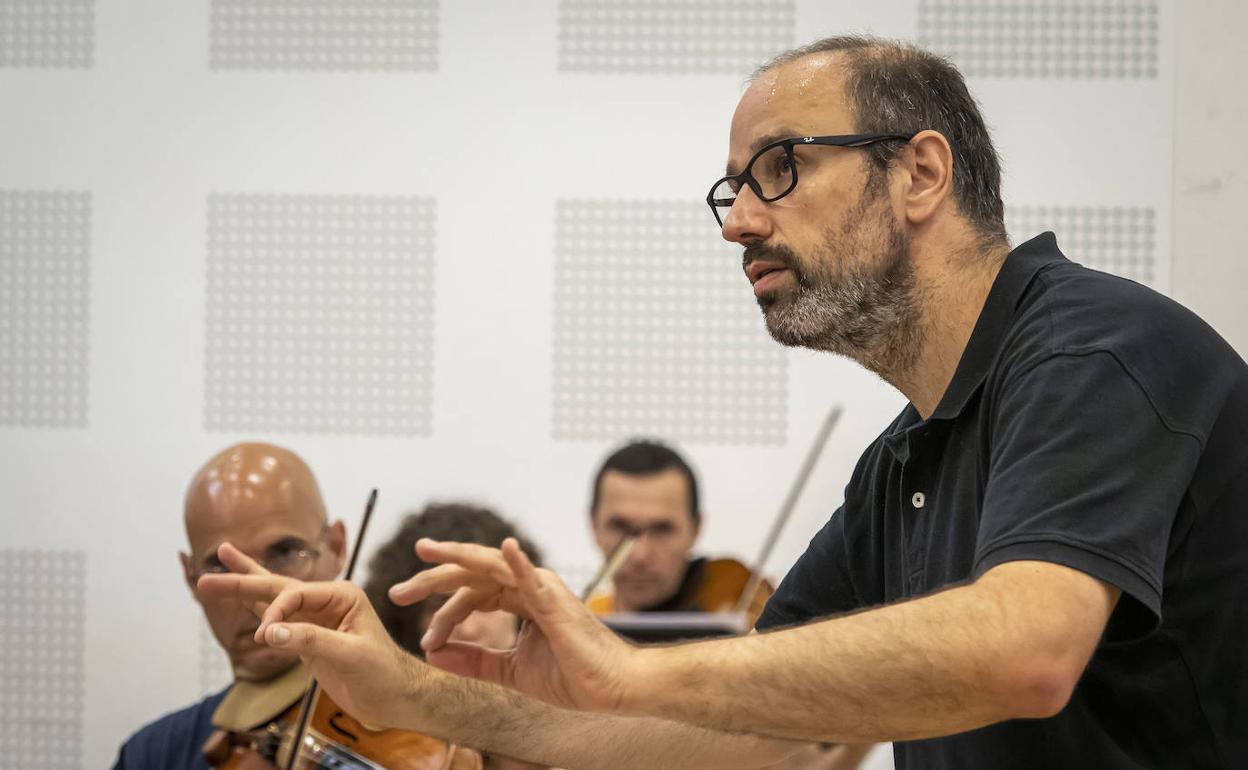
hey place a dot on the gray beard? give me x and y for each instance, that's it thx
(870, 313)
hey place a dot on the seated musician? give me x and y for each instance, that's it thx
(264, 500)
(646, 490)
(396, 561)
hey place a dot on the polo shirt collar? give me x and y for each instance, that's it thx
(1016, 274)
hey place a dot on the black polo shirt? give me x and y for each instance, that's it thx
(1092, 423)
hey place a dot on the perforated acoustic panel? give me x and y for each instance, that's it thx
(45, 244)
(42, 644)
(1044, 38)
(325, 35)
(1115, 239)
(319, 314)
(47, 34)
(656, 332)
(672, 37)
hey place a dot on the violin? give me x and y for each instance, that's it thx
(723, 586)
(710, 586)
(331, 739)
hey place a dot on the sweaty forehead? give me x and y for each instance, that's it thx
(801, 98)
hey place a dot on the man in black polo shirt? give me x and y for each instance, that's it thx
(1041, 563)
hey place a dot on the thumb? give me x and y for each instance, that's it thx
(308, 640)
(472, 660)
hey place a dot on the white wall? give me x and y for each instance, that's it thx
(1210, 176)
(148, 119)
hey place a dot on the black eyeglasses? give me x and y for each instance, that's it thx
(772, 173)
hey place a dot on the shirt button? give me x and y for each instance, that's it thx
(918, 500)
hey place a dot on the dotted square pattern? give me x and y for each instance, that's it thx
(656, 331)
(47, 34)
(320, 314)
(1119, 240)
(1091, 39)
(45, 274)
(325, 35)
(42, 647)
(672, 37)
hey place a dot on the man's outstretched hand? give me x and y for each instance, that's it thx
(334, 630)
(564, 655)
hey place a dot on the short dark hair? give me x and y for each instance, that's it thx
(899, 88)
(646, 457)
(396, 559)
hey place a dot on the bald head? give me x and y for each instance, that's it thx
(249, 480)
(264, 500)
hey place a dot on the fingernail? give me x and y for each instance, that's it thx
(426, 639)
(281, 634)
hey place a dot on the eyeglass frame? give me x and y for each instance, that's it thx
(308, 554)
(746, 177)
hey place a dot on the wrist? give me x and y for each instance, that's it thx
(647, 678)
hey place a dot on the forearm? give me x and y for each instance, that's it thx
(491, 718)
(947, 663)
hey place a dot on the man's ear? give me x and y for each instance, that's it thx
(187, 572)
(928, 162)
(336, 538)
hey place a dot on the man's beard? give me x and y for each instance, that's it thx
(856, 297)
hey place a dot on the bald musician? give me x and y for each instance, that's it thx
(264, 500)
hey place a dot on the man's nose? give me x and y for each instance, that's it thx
(642, 546)
(748, 220)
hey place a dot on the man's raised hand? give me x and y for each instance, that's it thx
(563, 655)
(337, 634)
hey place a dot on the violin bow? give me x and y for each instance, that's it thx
(309, 697)
(609, 567)
(786, 509)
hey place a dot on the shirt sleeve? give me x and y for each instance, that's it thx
(1083, 472)
(818, 585)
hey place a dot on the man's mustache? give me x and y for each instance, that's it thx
(781, 255)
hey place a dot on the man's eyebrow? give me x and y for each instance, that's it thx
(761, 142)
(286, 542)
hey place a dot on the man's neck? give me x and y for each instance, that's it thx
(955, 285)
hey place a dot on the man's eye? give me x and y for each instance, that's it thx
(214, 569)
(284, 549)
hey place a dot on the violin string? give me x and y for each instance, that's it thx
(309, 697)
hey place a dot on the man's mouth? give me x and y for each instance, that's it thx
(765, 275)
(761, 268)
